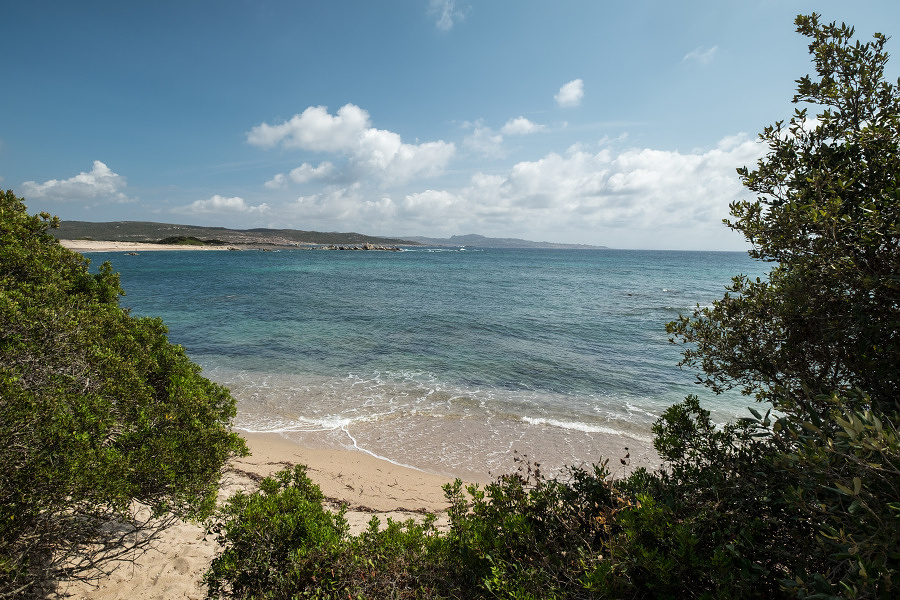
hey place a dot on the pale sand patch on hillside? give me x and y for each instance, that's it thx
(100, 246)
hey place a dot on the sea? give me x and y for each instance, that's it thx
(457, 361)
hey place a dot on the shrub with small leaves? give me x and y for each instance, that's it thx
(107, 431)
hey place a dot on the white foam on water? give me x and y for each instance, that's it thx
(299, 424)
(356, 446)
(576, 426)
(632, 409)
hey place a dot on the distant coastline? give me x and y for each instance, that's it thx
(86, 235)
(135, 247)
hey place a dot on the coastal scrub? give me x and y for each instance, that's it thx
(108, 433)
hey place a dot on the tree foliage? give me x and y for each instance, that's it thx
(827, 213)
(819, 338)
(105, 427)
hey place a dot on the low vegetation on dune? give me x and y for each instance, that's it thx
(107, 431)
(189, 240)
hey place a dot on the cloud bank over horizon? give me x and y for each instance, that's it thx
(368, 179)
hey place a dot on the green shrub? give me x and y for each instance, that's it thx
(525, 536)
(276, 540)
(281, 542)
(107, 431)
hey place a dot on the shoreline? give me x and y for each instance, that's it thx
(83, 246)
(105, 246)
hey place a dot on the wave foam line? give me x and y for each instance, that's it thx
(304, 425)
(379, 457)
(572, 425)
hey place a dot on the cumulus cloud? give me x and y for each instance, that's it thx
(219, 205)
(520, 126)
(277, 182)
(570, 94)
(633, 197)
(302, 174)
(100, 185)
(636, 188)
(371, 152)
(307, 172)
(447, 12)
(484, 140)
(314, 129)
(702, 56)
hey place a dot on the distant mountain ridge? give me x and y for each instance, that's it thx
(479, 241)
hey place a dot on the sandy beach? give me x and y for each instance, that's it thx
(174, 568)
(101, 246)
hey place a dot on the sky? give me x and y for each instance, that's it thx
(573, 121)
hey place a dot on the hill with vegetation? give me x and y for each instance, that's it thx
(167, 233)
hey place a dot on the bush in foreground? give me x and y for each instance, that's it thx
(107, 431)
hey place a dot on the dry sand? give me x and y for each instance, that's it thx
(99, 246)
(174, 568)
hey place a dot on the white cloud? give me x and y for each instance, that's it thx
(218, 205)
(314, 129)
(700, 55)
(307, 172)
(520, 126)
(277, 182)
(447, 12)
(372, 152)
(632, 198)
(570, 94)
(637, 188)
(637, 197)
(101, 185)
(484, 140)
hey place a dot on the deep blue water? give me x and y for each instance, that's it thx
(444, 360)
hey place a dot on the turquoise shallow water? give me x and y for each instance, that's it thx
(443, 360)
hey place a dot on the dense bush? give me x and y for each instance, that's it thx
(280, 542)
(819, 338)
(107, 431)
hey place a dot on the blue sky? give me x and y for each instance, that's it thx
(617, 124)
